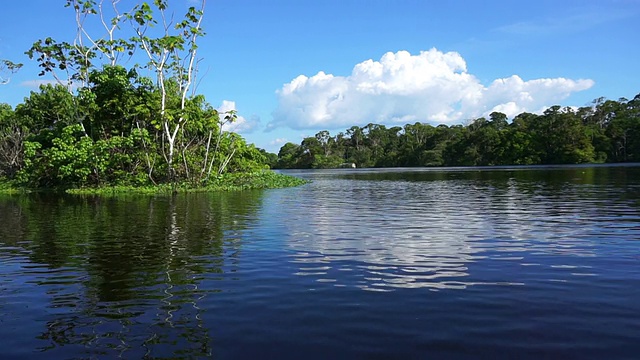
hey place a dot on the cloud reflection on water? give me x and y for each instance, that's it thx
(382, 235)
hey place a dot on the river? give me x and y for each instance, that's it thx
(533, 262)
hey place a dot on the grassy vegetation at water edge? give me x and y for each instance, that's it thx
(226, 182)
(7, 187)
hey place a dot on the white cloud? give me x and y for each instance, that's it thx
(35, 84)
(573, 22)
(278, 141)
(399, 88)
(241, 124)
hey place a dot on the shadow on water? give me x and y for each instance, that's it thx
(120, 276)
(585, 174)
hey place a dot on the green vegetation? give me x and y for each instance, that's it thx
(8, 187)
(7, 68)
(607, 131)
(225, 182)
(106, 127)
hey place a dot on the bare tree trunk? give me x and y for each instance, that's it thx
(150, 164)
(226, 162)
(206, 155)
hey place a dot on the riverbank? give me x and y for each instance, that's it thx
(7, 187)
(225, 182)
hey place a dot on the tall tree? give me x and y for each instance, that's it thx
(172, 57)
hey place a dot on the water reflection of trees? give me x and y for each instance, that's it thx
(125, 274)
(428, 228)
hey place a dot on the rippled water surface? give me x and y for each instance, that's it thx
(395, 263)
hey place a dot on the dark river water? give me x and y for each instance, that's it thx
(359, 264)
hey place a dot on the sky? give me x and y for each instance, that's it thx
(294, 67)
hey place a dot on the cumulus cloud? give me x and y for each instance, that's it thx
(432, 86)
(242, 124)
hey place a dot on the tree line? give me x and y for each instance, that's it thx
(101, 123)
(605, 131)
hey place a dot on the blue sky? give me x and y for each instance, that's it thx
(294, 67)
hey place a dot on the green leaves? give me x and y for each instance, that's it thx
(7, 68)
(82, 6)
(143, 15)
(52, 55)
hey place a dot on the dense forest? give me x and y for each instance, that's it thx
(101, 123)
(606, 131)
(109, 133)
